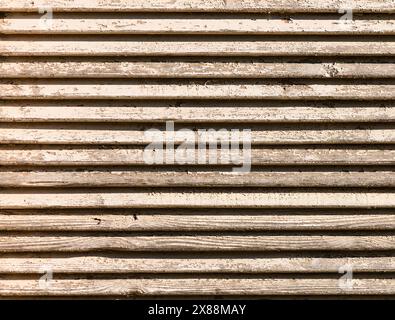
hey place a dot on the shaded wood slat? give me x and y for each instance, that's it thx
(131, 198)
(197, 111)
(274, 91)
(99, 24)
(235, 222)
(46, 156)
(91, 47)
(192, 178)
(387, 6)
(119, 265)
(108, 69)
(136, 135)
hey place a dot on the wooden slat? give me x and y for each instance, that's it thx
(185, 287)
(197, 111)
(131, 198)
(101, 90)
(46, 156)
(28, 68)
(99, 24)
(113, 223)
(136, 135)
(215, 47)
(193, 178)
(193, 243)
(119, 265)
(387, 6)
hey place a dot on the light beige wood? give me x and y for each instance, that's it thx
(136, 24)
(187, 198)
(200, 5)
(136, 135)
(173, 243)
(179, 223)
(33, 68)
(119, 265)
(198, 286)
(207, 90)
(194, 178)
(177, 47)
(47, 156)
(197, 111)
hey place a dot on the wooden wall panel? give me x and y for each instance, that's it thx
(81, 82)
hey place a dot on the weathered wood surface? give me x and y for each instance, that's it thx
(173, 24)
(63, 68)
(85, 156)
(208, 90)
(197, 111)
(136, 135)
(115, 264)
(195, 178)
(217, 243)
(163, 222)
(387, 6)
(196, 286)
(178, 47)
(228, 198)
(77, 197)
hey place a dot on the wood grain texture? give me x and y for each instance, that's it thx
(174, 24)
(136, 135)
(200, 6)
(195, 178)
(235, 222)
(114, 264)
(228, 198)
(63, 68)
(218, 243)
(84, 156)
(197, 111)
(141, 47)
(185, 287)
(270, 91)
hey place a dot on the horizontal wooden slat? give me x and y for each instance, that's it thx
(195, 178)
(200, 5)
(28, 68)
(197, 111)
(99, 222)
(201, 287)
(99, 24)
(118, 265)
(100, 90)
(131, 198)
(193, 243)
(46, 156)
(215, 47)
(136, 135)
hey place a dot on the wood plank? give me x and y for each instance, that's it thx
(195, 178)
(63, 24)
(234, 222)
(28, 68)
(136, 135)
(387, 6)
(217, 243)
(56, 156)
(197, 111)
(215, 47)
(119, 265)
(200, 287)
(122, 90)
(187, 198)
